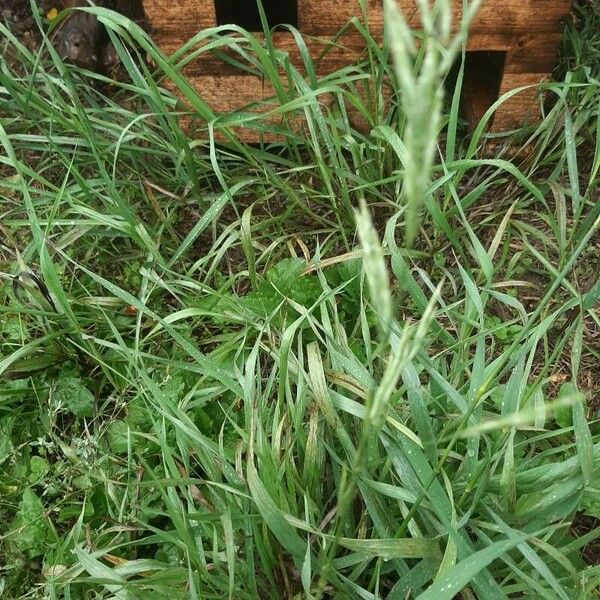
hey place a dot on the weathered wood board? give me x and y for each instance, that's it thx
(513, 43)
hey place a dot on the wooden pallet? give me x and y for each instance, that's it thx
(512, 43)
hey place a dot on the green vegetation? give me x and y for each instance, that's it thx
(226, 371)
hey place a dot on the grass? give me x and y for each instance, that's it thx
(225, 372)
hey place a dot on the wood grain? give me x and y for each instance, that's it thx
(523, 107)
(252, 95)
(327, 57)
(258, 97)
(318, 17)
(529, 52)
(184, 17)
(532, 53)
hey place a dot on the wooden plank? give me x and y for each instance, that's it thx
(351, 44)
(528, 63)
(319, 17)
(184, 18)
(521, 108)
(171, 39)
(249, 90)
(513, 114)
(533, 53)
(327, 58)
(256, 96)
(215, 90)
